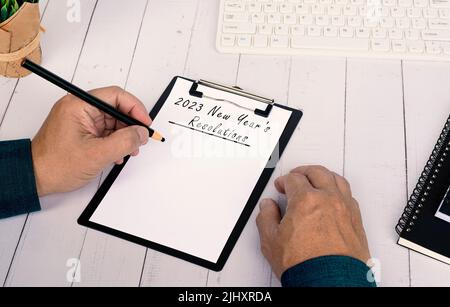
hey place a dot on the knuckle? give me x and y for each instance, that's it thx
(259, 220)
(131, 141)
(344, 181)
(320, 168)
(116, 88)
(339, 205)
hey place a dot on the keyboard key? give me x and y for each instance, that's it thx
(239, 28)
(317, 9)
(270, 8)
(298, 30)
(395, 33)
(389, 2)
(346, 32)
(334, 10)
(379, 33)
(362, 33)
(436, 35)
(265, 29)
(370, 22)
(258, 18)
(306, 19)
(228, 40)
(414, 12)
(433, 47)
(405, 3)
(282, 30)
(254, 7)
(439, 24)
(302, 9)
(419, 23)
(415, 46)
(236, 17)
(398, 46)
(403, 23)
(445, 47)
(244, 40)
(279, 41)
(350, 10)
(354, 21)
(274, 18)
(330, 43)
(398, 12)
(444, 13)
(430, 13)
(234, 6)
(290, 19)
(330, 31)
(286, 8)
(420, 3)
(380, 45)
(260, 41)
(314, 31)
(322, 20)
(440, 3)
(412, 34)
(387, 22)
(337, 21)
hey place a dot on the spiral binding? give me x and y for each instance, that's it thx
(426, 180)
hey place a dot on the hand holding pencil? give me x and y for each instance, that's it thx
(77, 141)
(89, 98)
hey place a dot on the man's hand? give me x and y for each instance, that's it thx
(322, 219)
(77, 141)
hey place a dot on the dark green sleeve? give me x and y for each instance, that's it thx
(329, 271)
(18, 193)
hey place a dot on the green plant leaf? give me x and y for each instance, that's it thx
(3, 14)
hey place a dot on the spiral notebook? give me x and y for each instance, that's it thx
(425, 223)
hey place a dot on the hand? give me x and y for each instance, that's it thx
(322, 219)
(77, 141)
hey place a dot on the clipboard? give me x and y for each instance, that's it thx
(264, 107)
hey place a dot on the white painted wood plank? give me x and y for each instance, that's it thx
(107, 55)
(41, 241)
(246, 265)
(162, 48)
(197, 49)
(14, 226)
(375, 159)
(160, 55)
(316, 86)
(7, 85)
(427, 105)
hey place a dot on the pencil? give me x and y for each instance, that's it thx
(90, 99)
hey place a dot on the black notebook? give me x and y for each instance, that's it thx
(425, 223)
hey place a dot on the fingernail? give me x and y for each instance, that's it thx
(264, 203)
(143, 135)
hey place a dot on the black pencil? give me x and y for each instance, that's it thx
(90, 99)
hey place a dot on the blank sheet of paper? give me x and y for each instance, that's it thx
(188, 193)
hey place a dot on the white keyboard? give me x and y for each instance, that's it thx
(400, 29)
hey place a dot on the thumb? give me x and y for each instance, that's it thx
(268, 219)
(123, 142)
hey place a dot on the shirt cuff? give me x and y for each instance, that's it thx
(329, 271)
(18, 193)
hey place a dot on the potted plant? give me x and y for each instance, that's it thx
(19, 35)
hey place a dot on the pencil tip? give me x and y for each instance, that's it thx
(163, 140)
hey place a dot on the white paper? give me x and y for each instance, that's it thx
(188, 193)
(444, 208)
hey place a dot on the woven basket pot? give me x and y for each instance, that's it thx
(19, 39)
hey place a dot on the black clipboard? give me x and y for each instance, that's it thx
(289, 130)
